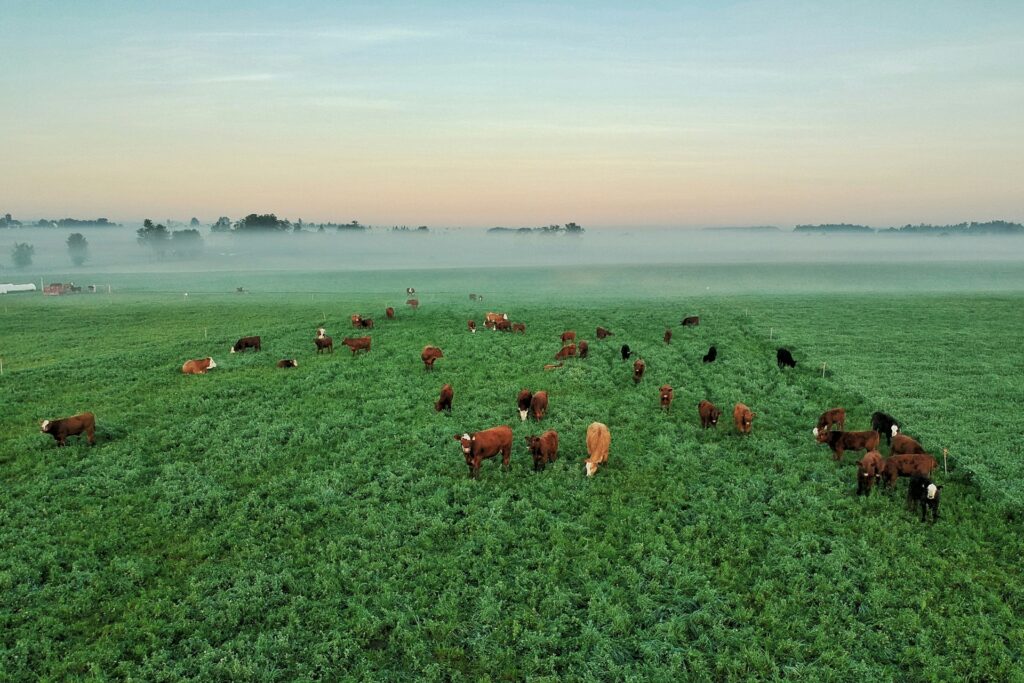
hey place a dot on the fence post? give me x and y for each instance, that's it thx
(823, 366)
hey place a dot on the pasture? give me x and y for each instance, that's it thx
(318, 523)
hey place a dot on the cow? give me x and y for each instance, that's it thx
(639, 366)
(743, 418)
(479, 446)
(389, 313)
(246, 343)
(543, 448)
(471, 326)
(907, 466)
(357, 344)
(539, 405)
(503, 326)
(711, 355)
(287, 363)
(709, 414)
(668, 336)
(840, 442)
(869, 470)
(584, 348)
(321, 333)
(602, 333)
(444, 402)
(429, 355)
(199, 366)
(831, 418)
(784, 358)
(666, 394)
(356, 319)
(885, 424)
(902, 444)
(324, 343)
(568, 336)
(567, 351)
(366, 322)
(926, 494)
(414, 303)
(474, 297)
(625, 351)
(523, 403)
(410, 290)
(491, 318)
(690, 321)
(598, 441)
(519, 327)
(75, 425)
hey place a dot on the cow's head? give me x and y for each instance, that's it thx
(895, 429)
(233, 348)
(44, 426)
(821, 435)
(523, 414)
(591, 467)
(210, 363)
(715, 414)
(466, 441)
(933, 491)
(533, 443)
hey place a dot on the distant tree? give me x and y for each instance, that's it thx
(186, 244)
(8, 222)
(423, 228)
(223, 224)
(267, 222)
(22, 254)
(78, 248)
(573, 229)
(154, 237)
(194, 223)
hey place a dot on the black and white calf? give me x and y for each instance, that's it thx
(926, 494)
(885, 424)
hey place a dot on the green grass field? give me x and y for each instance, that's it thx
(319, 523)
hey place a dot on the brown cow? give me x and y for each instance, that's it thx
(323, 343)
(366, 322)
(567, 351)
(389, 312)
(429, 355)
(841, 442)
(598, 441)
(568, 335)
(415, 303)
(246, 343)
(519, 327)
(667, 394)
(356, 318)
(835, 416)
(471, 325)
(584, 348)
(479, 446)
(543, 448)
(491, 318)
(445, 400)
(71, 426)
(287, 363)
(357, 344)
(743, 418)
(539, 405)
(709, 414)
(639, 366)
(869, 469)
(523, 403)
(198, 366)
(503, 326)
(904, 445)
(668, 336)
(908, 465)
(602, 333)
(690, 321)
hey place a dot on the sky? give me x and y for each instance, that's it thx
(675, 114)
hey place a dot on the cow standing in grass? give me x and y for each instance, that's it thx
(76, 425)
(444, 401)
(743, 418)
(543, 448)
(429, 355)
(479, 446)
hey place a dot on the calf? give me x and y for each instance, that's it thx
(902, 444)
(389, 313)
(885, 424)
(568, 336)
(690, 321)
(444, 402)
(709, 414)
(519, 327)
(784, 358)
(711, 355)
(479, 446)
(324, 343)
(639, 366)
(539, 405)
(471, 325)
(503, 326)
(287, 363)
(665, 395)
(567, 351)
(625, 351)
(840, 442)
(743, 418)
(198, 366)
(429, 355)
(668, 336)
(602, 333)
(366, 322)
(835, 416)
(246, 343)
(869, 470)
(908, 466)
(584, 349)
(523, 403)
(414, 303)
(926, 494)
(599, 439)
(543, 448)
(355, 319)
(357, 344)
(75, 425)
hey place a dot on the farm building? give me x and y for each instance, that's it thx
(4, 289)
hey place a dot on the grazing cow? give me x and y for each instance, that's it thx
(869, 470)
(539, 405)
(784, 358)
(324, 343)
(523, 403)
(519, 327)
(471, 325)
(415, 303)
(246, 343)
(366, 322)
(908, 466)
(567, 351)
(902, 444)
(668, 336)
(840, 442)
(690, 321)
(709, 414)
(491, 318)
(584, 348)
(639, 366)
(625, 351)
(602, 333)
(444, 402)
(666, 394)
(503, 326)
(743, 418)
(429, 355)
(885, 424)
(711, 355)
(389, 313)
(830, 418)
(356, 319)
(479, 446)
(71, 426)
(598, 441)
(568, 336)
(199, 366)
(287, 363)
(926, 494)
(357, 344)
(543, 448)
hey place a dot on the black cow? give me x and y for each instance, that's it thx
(784, 358)
(883, 423)
(626, 353)
(926, 494)
(711, 355)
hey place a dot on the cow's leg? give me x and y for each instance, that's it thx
(91, 435)
(506, 455)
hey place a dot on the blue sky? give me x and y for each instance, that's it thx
(674, 114)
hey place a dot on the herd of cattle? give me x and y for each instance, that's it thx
(907, 458)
